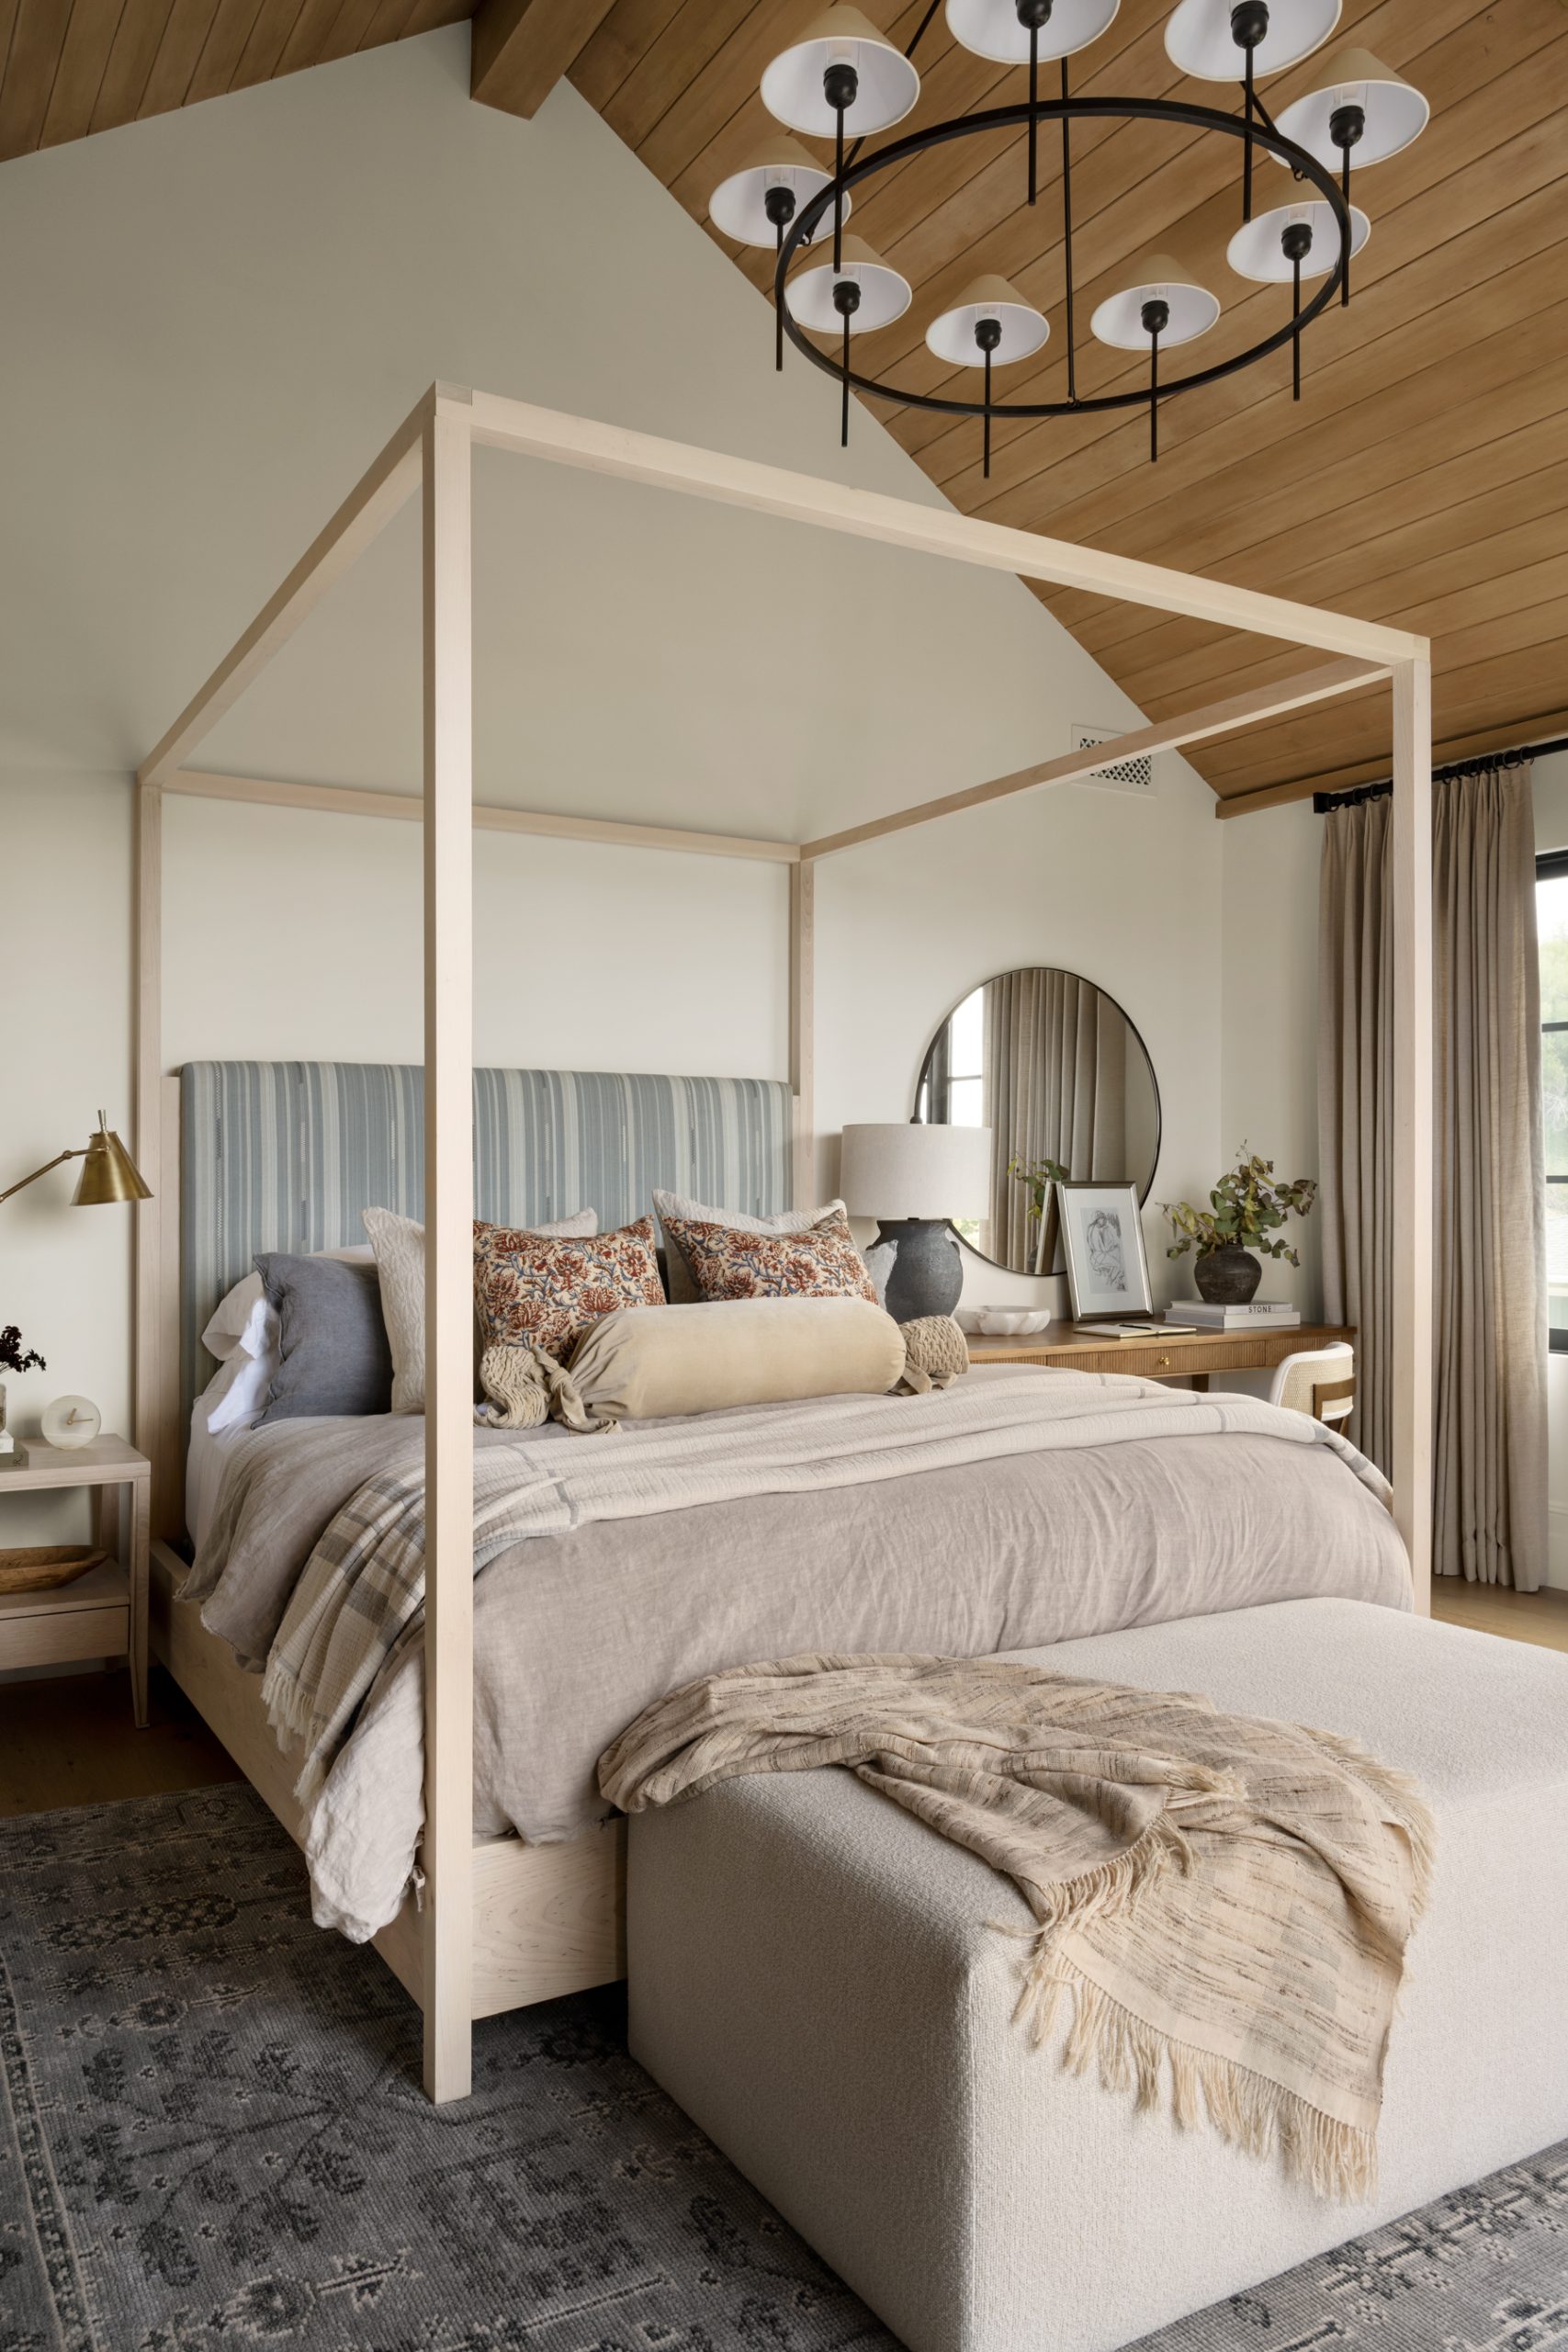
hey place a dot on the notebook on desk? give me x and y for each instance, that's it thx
(1137, 1331)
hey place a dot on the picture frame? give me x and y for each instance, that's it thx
(1103, 1241)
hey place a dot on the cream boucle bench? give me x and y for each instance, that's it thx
(815, 1979)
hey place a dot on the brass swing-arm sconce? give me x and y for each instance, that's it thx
(110, 1174)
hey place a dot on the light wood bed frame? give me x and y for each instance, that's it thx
(503, 1923)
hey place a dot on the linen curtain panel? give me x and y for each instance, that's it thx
(1490, 1520)
(1055, 1088)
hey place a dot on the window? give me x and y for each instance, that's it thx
(1551, 920)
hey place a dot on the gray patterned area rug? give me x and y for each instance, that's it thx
(213, 2136)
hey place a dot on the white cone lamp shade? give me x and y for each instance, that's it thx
(884, 295)
(1394, 114)
(1024, 329)
(1257, 250)
(991, 28)
(913, 1170)
(739, 206)
(887, 83)
(1199, 39)
(1119, 319)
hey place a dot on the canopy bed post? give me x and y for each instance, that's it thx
(147, 964)
(1412, 1135)
(802, 1024)
(448, 1258)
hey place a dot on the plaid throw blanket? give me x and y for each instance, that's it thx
(359, 1599)
(1224, 1900)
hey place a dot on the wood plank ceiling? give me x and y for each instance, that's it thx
(1423, 481)
(1423, 478)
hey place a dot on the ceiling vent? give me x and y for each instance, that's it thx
(1135, 775)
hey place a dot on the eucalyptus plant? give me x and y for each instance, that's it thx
(1039, 1175)
(1245, 1209)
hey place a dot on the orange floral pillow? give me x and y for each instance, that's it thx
(822, 1262)
(529, 1286)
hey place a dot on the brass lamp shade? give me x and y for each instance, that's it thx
(108, 1173)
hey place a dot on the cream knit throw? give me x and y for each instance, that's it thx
(1223, 1895)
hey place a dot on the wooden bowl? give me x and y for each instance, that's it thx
(40, 1566)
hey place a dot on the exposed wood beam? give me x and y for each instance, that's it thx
(522, 48)
(1193, 727)
(368, 508)
(341, 800)
(609, 449)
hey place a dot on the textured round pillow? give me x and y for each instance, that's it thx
(935, 1352)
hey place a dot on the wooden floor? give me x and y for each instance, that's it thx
(1538, 1617)
(70, 1740)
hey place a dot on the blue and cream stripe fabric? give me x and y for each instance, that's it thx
(286, 1155)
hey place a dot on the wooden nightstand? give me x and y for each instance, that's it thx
(104, 1614)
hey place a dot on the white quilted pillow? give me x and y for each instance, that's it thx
(399, 1244)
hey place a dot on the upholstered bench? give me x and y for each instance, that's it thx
(815, 1977)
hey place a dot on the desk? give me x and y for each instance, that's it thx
(1192, 1356)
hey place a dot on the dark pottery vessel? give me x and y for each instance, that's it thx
(926, 1273)
(1228, 1276)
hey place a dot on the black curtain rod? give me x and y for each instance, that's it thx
(1322, 802)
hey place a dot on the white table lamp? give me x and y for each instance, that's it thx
(913, 1178)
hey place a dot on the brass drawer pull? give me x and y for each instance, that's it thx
(1163, 1364)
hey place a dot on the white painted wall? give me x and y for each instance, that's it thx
(212, 322)
(1268, 1022)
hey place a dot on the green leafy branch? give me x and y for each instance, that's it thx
(1245, 1209)
(1039, 1175)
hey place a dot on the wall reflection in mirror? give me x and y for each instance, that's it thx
(1053, 1066)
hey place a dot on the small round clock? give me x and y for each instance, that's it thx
(71, 1422)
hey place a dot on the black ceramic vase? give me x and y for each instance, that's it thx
(926, 1276)
(1228, 1276)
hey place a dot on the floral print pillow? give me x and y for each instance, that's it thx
(529, 1287)
(822, 1262)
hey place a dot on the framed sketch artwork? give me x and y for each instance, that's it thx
(1102, 1239)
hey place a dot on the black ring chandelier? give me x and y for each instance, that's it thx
(842, 80)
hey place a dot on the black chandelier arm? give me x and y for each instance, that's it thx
(1065, 110)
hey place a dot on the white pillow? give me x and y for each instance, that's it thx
(238, 1389)
(399, 1245)
(677, 1282)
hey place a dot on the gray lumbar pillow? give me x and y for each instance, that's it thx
(335, 1358)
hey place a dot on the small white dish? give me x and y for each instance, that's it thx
(1003, 1322)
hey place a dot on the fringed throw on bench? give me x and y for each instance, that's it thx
(1225, 1898)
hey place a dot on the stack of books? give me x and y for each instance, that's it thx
(1274, 1314)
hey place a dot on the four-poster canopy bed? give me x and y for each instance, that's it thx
(503, 1922)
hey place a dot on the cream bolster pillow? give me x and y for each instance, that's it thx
(637, 1365)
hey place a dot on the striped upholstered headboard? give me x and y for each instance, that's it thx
(286, 1155)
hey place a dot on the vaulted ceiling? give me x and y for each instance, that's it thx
(1423, 480)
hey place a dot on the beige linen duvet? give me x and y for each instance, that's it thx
(1022, 1507)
